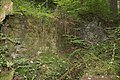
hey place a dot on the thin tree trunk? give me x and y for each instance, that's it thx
(114, 9)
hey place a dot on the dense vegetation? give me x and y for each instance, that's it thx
(74, 57)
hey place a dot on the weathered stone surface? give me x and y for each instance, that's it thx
(92, 32)
(34, 36)
(6, 8)
(2, 15)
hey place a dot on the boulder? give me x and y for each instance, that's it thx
(92, 32)
(6, 8)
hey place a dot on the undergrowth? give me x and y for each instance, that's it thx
(28, 7)
(102, 58)
(78, 9)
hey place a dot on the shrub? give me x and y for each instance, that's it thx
(28, 8)
(74, 7)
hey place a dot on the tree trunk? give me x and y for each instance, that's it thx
(113, 9)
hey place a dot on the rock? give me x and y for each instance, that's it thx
(6, 8)
(2, 15)
(92, 32)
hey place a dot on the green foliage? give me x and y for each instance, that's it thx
(72, 7)
(5, 56)
(102, 58)
(45, 66)
(29, 8)
(7, 75)
(99, 59)
(75, 8)
(75, 40)
(3, 50)
(117, 32)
